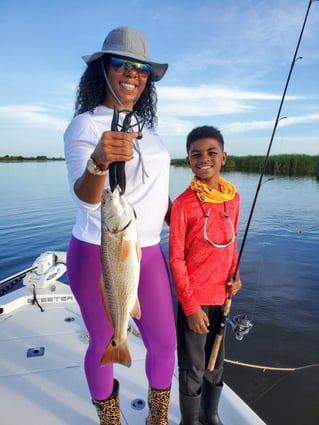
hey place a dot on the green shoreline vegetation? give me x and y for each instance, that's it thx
(20, 158)
(278, 165)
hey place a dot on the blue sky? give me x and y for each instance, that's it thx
(228, 65)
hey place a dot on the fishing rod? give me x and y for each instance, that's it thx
(227, 307)
(278, 118)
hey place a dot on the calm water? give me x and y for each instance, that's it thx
(279, 269)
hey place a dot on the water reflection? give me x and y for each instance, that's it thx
(279, 269)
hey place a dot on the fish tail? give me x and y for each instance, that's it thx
(117, 354)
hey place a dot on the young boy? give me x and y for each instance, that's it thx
(203, 258)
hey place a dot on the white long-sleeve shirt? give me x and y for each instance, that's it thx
(149, 199)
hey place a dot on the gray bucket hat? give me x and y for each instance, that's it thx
(129, 43)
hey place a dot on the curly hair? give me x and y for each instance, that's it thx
(204, 131)
(92, 89)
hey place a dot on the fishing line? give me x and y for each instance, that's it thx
(271, 368)
(267, 389)
(227, 306)
(278, 118)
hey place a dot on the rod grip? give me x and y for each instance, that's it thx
(219, 336)
(214, 354)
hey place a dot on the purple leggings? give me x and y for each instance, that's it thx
(157, 324)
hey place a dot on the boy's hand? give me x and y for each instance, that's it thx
(198, 322)
(233, 286)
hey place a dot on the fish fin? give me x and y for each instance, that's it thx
(117, 354)
(125, 248)
(138, 251)
(104, 300)
(136, 310)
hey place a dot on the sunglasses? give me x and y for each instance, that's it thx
(122, 65)
(231, 226)
(216, 244)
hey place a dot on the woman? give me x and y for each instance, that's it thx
(203, 258)
(121, 75)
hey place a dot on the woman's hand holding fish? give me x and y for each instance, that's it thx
(114, 146)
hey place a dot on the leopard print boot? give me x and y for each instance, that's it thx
(109, 410)
(158, 402)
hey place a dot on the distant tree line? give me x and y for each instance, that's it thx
(278, 165)
(17, 158)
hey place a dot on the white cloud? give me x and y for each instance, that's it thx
(30, 116)
(239, 127)
(210, 100)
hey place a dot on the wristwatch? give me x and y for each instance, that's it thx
(94, 169)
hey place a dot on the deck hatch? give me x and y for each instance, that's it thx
(35, 352)
(138, 404)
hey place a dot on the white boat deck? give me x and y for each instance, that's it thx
(50, 387)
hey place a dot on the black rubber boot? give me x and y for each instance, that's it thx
(189, 408)
(208, 412)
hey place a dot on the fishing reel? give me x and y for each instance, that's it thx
(48, 267)
(241, 325)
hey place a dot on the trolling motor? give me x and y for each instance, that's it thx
(46, 269)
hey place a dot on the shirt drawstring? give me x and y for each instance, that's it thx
(137, 149)
(136, 145)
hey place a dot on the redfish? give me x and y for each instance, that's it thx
(121, 256)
